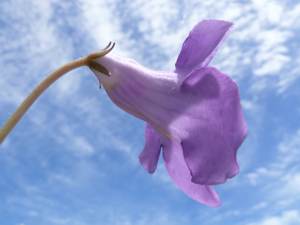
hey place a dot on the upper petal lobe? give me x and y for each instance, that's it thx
(200, 46)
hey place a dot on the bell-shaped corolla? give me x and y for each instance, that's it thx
(193, 113)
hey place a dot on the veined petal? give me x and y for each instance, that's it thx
(180, 174)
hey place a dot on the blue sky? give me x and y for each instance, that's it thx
(73, 158)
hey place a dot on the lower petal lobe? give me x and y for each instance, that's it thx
(150, 154)
(181, 176)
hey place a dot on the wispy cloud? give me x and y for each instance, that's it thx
(30, 47)
(290, 217)
(279, 179)
(74, 142)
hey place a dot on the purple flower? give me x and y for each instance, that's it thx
(193, 114)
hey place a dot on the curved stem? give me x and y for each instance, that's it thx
(50, 79)
(18, 114)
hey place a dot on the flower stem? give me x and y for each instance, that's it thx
(18, 114)
(50, 79)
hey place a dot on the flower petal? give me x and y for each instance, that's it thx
(203, 112)
(215, 129)
(150, 155)
(199, 47)
(180, 174)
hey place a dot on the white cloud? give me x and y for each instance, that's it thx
(31, 47)
(289, 150)
(279, 180)
(291, 187)
(287, 157)
(256, 176)
(74, 141)
(100, 23)
(260, 43)
(249, 105)
(290, 217)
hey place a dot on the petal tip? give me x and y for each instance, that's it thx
(215, 204)
(146, 164)
(214, 200)
(229, 23)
